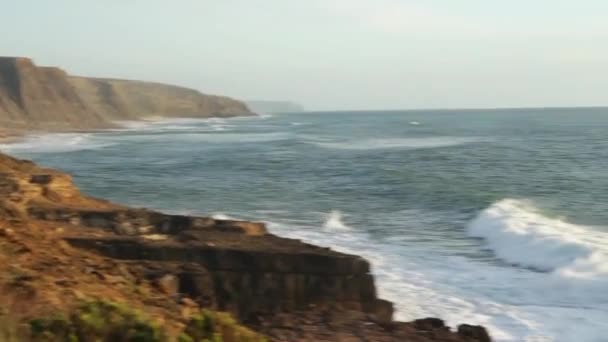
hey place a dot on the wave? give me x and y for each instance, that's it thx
(333, 222)
(221, 216)
(55, 143)
(398, 143)
(168, 124)
(515, 304)
(518, 233)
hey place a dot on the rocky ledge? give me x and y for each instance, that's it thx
(283, 288)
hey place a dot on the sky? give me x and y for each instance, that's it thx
(330, 54)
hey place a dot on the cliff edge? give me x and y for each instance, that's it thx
(47, 98)
(58, 246)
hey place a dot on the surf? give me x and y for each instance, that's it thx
(516, 232)
(55, 143)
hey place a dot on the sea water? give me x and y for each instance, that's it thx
(492, 217)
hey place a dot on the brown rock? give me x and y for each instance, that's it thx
(168, 283)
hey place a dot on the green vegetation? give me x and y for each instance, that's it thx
(97, 321)
(103, 321)
(209, 326)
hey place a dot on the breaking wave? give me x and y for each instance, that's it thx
(518, 233)
(333, 222)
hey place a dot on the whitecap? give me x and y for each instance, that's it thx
(222, 216)
(518, 233)
(397, 143)
(515, 304)
(334, 222)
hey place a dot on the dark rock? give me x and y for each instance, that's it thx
(429, 324)
(474, 332)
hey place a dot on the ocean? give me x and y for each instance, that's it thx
(492, 217)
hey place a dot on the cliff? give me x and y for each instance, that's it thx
(46, 98)
(121, 99)
(58, 246)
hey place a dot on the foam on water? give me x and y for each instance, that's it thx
(516, 304)
(55, 143)
(517, 233)
(333, 222)
(170, 124)
(398, 143)
(222, 216)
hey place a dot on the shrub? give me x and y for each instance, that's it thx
(210, 326)
(97, 321)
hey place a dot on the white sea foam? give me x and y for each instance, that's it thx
(333, 222)
(55, 143)
(517, 233)
(168, 124)
(516, 304)
(222, 216)
(397, 143)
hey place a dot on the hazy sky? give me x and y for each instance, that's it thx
(331, 54)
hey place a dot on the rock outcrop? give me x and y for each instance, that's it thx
(284, 288)
(47, 98)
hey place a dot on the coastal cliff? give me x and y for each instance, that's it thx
(47, 98)
(58, 246)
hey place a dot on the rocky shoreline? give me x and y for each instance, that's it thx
(283, 288)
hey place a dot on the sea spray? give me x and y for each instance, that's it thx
(333, 222)
(518, 233)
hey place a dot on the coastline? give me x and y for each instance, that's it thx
(111, 230)
(16, 135)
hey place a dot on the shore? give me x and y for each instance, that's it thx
(283, 288)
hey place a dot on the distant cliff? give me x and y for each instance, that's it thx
(33, 97)
(275, 107)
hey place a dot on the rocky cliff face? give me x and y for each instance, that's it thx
(44, 98)
(287, 289)
(121, 99)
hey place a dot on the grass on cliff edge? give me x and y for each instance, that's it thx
(106, 321)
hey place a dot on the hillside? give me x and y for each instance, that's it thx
(47, 98)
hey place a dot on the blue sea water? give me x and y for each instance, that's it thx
(493, 217)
